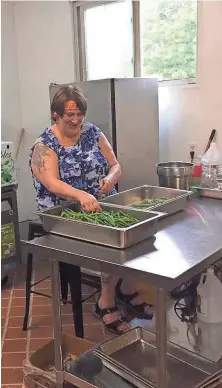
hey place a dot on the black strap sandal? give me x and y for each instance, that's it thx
(113, 327)
(137, 309)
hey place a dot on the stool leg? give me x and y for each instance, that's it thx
(63, 281)
(28, 290)
(76, 298)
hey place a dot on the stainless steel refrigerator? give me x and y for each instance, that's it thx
(126, 110)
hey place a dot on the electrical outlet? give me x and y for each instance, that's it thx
(192, 146)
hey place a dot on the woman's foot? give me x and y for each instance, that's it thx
(127, 294)
(112, 319)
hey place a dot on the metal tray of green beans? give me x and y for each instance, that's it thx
(144, 227)
(151, 198)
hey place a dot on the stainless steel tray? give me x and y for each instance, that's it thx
(177, 199)
(214, 381)
(133, 356)
(208, 193)
(99, 234)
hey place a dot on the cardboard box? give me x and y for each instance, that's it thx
(8, 171)
(35, 368)
(43, 382)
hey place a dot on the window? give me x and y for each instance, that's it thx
(109, 41)
(106, 40)
(169, 38)
(148, 38)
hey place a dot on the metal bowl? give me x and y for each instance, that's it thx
(176, 175)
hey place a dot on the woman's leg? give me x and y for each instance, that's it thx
(108, 300)
(129, 288)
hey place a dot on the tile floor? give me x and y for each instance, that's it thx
(16, 344)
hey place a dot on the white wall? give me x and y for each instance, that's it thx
(44, 42)
(10, 104)
(189, 113)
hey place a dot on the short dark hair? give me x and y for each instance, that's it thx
(66, 93)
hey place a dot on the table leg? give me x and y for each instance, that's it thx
(161, 338)
(57, 326)
(75, 285)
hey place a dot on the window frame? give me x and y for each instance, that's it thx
(79, 8)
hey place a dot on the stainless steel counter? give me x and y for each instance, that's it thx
(186, 244)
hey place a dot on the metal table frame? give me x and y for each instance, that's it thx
(198, 230)
(161, 332)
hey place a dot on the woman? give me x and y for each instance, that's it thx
(73, 160)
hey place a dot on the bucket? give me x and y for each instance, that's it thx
(175, 175)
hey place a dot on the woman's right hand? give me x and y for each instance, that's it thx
(88, 202)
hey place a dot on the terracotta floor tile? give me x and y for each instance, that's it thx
(89, 318)
(13, 359)
(12, 378)
(17, 311)
(41, 321)
(47, 291)
(18, 302)
(41, 301)
(15, 322)
(43, 285)
(15, 332)
(19, 293)
(2, 322)
(67, 309)
(67, 319)
(41, 332)
(6, 293)
(4, 311)
(42, 310)
(36, 344)
(87, 307)
(13, 386)
(4, 302)
(93, 333)
(14, 345)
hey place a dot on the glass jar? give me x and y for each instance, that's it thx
(209, 176)
(219, 177)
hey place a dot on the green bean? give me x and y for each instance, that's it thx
(108, 218)
(149, 202)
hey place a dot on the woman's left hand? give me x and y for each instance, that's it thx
(106, 186)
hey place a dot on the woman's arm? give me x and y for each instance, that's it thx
(45, 168)
(114, 167)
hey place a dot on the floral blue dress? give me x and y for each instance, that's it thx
(82, 166)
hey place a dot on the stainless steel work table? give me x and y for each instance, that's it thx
(186, 244)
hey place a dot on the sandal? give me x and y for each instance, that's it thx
(138, 309)
(113, 327)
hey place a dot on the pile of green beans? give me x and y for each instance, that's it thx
(116, 219)
(149, 203)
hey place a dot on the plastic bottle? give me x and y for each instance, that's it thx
(212, 156)
(209, 298)
(209, 162)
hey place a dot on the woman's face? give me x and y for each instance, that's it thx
(72, 119)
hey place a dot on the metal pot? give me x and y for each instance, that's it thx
(175, 175)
